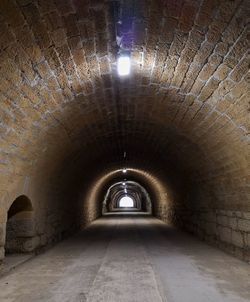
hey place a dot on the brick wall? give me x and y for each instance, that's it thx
(229, 230)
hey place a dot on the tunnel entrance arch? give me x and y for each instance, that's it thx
(20, 226)
(126, 202)
(130, 190)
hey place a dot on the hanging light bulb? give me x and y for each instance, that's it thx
(123, 65)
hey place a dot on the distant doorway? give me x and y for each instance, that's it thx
(126, 202)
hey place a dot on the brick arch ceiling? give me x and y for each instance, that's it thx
(185, 105)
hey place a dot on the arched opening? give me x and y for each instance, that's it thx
(20, 232)
(20, 204)
(126, 202)
(127, 195)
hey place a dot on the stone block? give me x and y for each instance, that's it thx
(207, 71)
(30, 244)
(233, 223)
(222, 72)
(71, 26)
(59, 37)
(43, 240)
(225, 234)
(244, 225)
(210, 228)
(240, 70)
(208, 89)
(238, 214)
(2, 234)
(64, 7)
(214, 32)
(187, 17)
(205, 15)
(2, 253)
(237, 239)
(247, 240)
(221, 48)
(223, 220)
(53, 20)
(100, 21)
(246, 215)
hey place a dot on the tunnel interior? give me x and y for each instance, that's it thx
(176, 129)
(127, 195)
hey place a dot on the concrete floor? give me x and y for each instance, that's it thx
(129, 259)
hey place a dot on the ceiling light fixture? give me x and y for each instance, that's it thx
(124, 65)
(124, 170)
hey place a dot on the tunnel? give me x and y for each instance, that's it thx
(127, 194)
(129, 113)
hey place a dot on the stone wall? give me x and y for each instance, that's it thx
(65, 114)
(229, 230)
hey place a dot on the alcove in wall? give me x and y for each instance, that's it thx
(20, 232)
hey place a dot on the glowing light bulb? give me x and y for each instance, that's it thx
(124, 170)
(124, 65)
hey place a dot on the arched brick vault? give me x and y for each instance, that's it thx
(183, 114)
(158, 187)
(132, 189)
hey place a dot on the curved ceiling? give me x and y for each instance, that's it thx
(184, 111)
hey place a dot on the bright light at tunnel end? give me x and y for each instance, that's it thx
(124, 65)
(126, 202)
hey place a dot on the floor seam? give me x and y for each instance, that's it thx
(150, 264)
(102, 263)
